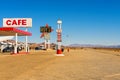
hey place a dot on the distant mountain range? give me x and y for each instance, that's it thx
(71, 45)
(98, 46)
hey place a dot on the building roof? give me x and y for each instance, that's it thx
(11, 31)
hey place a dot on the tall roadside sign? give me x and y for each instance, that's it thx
(46, 30)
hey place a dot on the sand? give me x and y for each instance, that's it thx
(83, 64)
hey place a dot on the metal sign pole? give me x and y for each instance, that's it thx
(45, 43)
(48, 44)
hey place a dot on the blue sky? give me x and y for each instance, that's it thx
(84, 21)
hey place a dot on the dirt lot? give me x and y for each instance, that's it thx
(83, 64)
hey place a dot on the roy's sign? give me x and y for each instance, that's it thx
(17, 22)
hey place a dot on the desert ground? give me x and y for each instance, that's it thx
(77, 64)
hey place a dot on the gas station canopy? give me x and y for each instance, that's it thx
(11, 31)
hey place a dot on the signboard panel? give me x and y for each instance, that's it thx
(45, 29)
(47, 36)
(17, 22)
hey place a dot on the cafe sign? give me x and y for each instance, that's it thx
(17, 22)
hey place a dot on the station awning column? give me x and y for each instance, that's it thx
(26, 43)
(16, 40)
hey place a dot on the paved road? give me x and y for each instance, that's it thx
(85, 64)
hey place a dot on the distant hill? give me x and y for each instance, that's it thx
(90, 45)
(71, 45)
